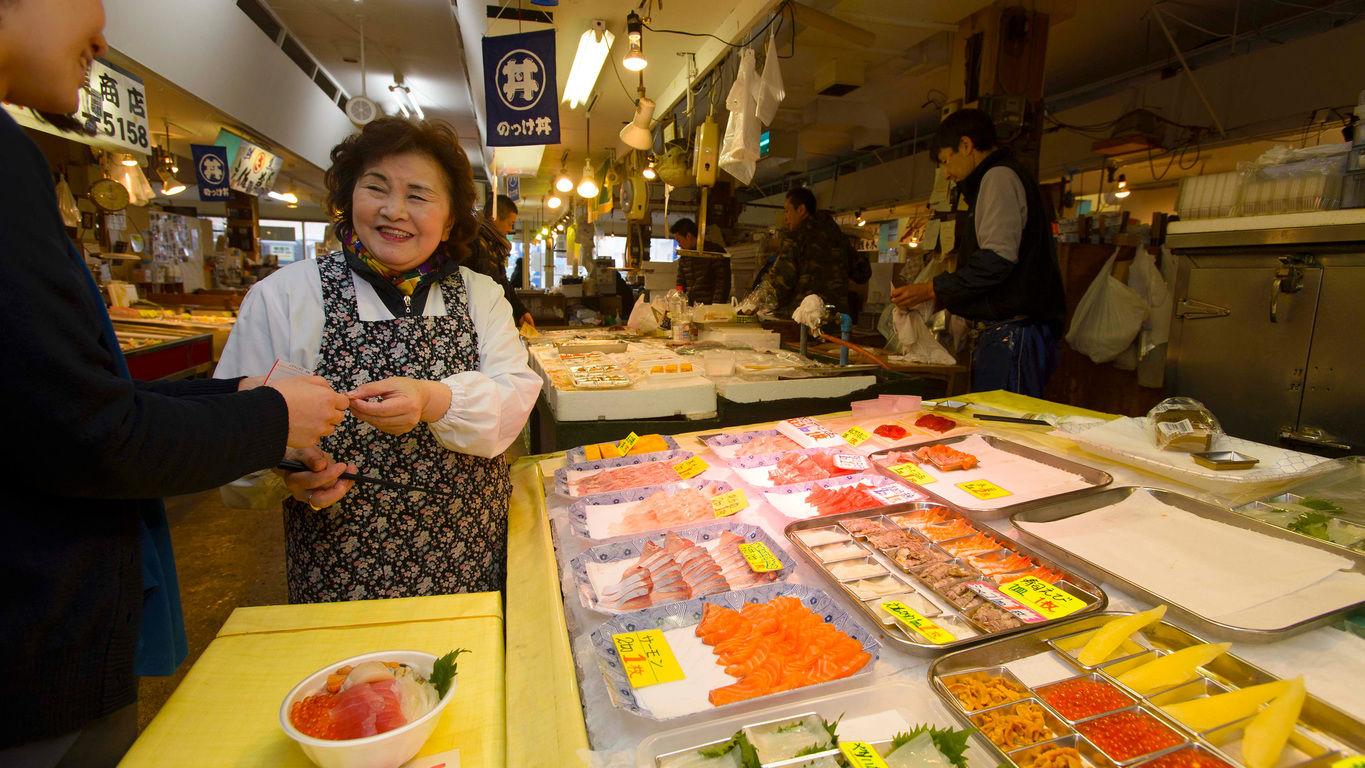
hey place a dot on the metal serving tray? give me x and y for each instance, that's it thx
(1096, 477)
(1088, 591)
(1343, 487)
(1091, 502)
(1323, 736)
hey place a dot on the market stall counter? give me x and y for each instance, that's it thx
(226, 711)
(565, 595)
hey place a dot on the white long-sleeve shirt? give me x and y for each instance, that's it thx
(282, 318)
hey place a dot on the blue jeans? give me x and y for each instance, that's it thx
(1017, 356)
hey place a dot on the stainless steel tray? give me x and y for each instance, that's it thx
(1343, 487)
(1087, 591)
(1081, 505)
(1324, 734)
(1096, 477)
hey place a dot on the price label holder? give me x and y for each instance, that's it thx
(1351, 762)
(914, 473)
(849, 461)
(984, 490)
(857, 436)
(1050, 601)
(761, 559)
(690, 468)
(860, 754)
(914, 620)
(727, 504)
(646, 658)
(628, 443)
(894, 493)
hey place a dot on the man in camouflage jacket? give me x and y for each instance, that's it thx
(815, 257)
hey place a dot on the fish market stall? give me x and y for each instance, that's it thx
(905, 560)
(164, 352)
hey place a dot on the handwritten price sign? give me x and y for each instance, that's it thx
(647, 658)
(1048, 600)
(690, 468)
(761, 559)
(728, 504)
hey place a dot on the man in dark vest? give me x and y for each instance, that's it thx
(1007, 281)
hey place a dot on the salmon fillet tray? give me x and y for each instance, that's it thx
(608, 475)
(742, 445)
(641, 510)
(772, 643)
(673, 566)
(840, 494)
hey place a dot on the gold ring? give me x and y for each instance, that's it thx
(315, 507)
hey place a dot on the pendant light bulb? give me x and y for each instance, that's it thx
(635, 59)
(649, 172)
(128, 160)
(553, 201)
(588, 187)
(1123, 190)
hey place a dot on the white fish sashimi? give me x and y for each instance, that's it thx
(784, 740)
(919, 752)
(697, 760)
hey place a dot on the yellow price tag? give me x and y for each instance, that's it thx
(690, 468)
(647, 658)
(628, 443)
(914, 473)
(914, 620)
(760, 558)
(984, 490)
(1351, 762)
(860, 754)
(1050, 601)
(150, 314)
(857, 436)
(727, 504)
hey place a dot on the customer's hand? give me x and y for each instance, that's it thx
(404, 403)
(314, 409)
(526, 319)
(250, 382)
(909, 296)
(322, 487)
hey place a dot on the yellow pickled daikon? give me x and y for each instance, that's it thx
(1269, 730)
(1172, 669)
(1212, 711)
(1110, 636)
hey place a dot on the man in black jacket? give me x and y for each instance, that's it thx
(90, 599)
(705, 279)
(490, 250)
(1007, 280)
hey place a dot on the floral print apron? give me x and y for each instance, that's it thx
(378, 542)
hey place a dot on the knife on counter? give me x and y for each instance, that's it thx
(298, 466)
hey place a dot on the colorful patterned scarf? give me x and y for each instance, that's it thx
(406, 282)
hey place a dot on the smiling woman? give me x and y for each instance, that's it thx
(435, 372)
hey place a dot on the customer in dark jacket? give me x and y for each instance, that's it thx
(490, 250)
(705, 279)
(90, 598)
(815, 256)
(1007, 280)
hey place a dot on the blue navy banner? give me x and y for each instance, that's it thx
(519, 89)
(211, 171)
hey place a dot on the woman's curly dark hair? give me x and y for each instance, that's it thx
(395, 136)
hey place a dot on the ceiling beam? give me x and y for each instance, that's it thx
(900, 22)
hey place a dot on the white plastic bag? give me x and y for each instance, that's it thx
(1108, 317)
(770, 92)
(917, 343)
(642, 317)
(739, 151)
(66, 203)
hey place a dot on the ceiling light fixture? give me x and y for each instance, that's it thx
(1123, 190)
(635, 60)
(170, 185)
(593, 48)
(128, 160)
(862, 222)
(588, 187)
(402, 96)
(562, 182)
(649, 172)
(636, 134)
(287, 196)
(554, 201)
(166, 169)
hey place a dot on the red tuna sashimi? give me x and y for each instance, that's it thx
(367, 709)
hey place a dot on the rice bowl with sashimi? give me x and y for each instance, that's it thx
(373, 710)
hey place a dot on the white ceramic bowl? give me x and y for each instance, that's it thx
(383, 750)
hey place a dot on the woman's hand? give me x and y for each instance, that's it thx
(404, 403)
(322, 487)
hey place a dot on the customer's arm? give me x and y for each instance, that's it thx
(1001, 211)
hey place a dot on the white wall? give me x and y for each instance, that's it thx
(211, 49)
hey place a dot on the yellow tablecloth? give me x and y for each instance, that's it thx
(226, 711)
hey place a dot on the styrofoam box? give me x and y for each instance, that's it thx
(661, 275)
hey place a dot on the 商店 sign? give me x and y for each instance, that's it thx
(113, 105)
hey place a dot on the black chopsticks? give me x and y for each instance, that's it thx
(1010, 419)
(298, 466)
